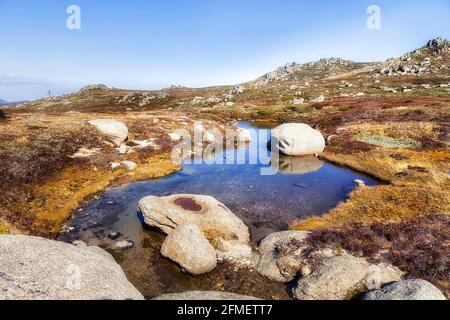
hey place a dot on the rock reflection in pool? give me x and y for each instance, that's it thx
(266, 203)
(299, 165)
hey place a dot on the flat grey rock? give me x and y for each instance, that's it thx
(33, 268)
(412, 289)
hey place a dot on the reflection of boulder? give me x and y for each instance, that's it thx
(297, 165)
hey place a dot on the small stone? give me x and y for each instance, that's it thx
(412, 289)
(319, 99)
(115, 165)
(122, 149)
(114, 235)
(125, 244)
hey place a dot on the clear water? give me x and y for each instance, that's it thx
(303, 187)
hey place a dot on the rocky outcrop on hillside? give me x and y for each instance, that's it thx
(94, 87)
(431, 58)
(309, 71)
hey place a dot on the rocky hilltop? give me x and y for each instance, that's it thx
(431, 58)
(311, 71)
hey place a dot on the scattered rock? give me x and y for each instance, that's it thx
(197, 100)
(94, 87)
(319, 99)
(208, 137)
(243, 135)
(123, 149)
(85, 153)
(343, 277)
(187, 246)
(79, 243)
(128, 165)
(33, 268)
(115, 165)
(117, 130)
(360, 183)
(412, 289)
(204, 295)
(124, 244)
(237, 89)
(296, 139)
(269, 252)
(220, 226)
(174, 137)
(298, 101)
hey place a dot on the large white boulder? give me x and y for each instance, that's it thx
(33, 268)
(344, 277)
(188, 247)
(412, 289)
(115, 129)
(297, 139)
(226, 232)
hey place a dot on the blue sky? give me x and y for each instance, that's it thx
(149, 44)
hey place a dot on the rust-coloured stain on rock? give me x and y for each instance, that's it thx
(188, 204)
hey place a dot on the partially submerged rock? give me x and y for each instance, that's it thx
(124, 244)
(297, 139)
(343, 277)
(204, 295)
(212, 217)
(412, 289)
(33, 268)
(269, 251)
(297, 165)
(115, 129)
(226, 232)
(188, 247)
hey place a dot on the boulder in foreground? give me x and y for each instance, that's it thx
(188, 247)
(412, 289)
(297, 139)
(269, 247)
(212, 217)
(33, 268)
(226, 232)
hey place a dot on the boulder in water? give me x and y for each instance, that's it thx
(297, 139)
